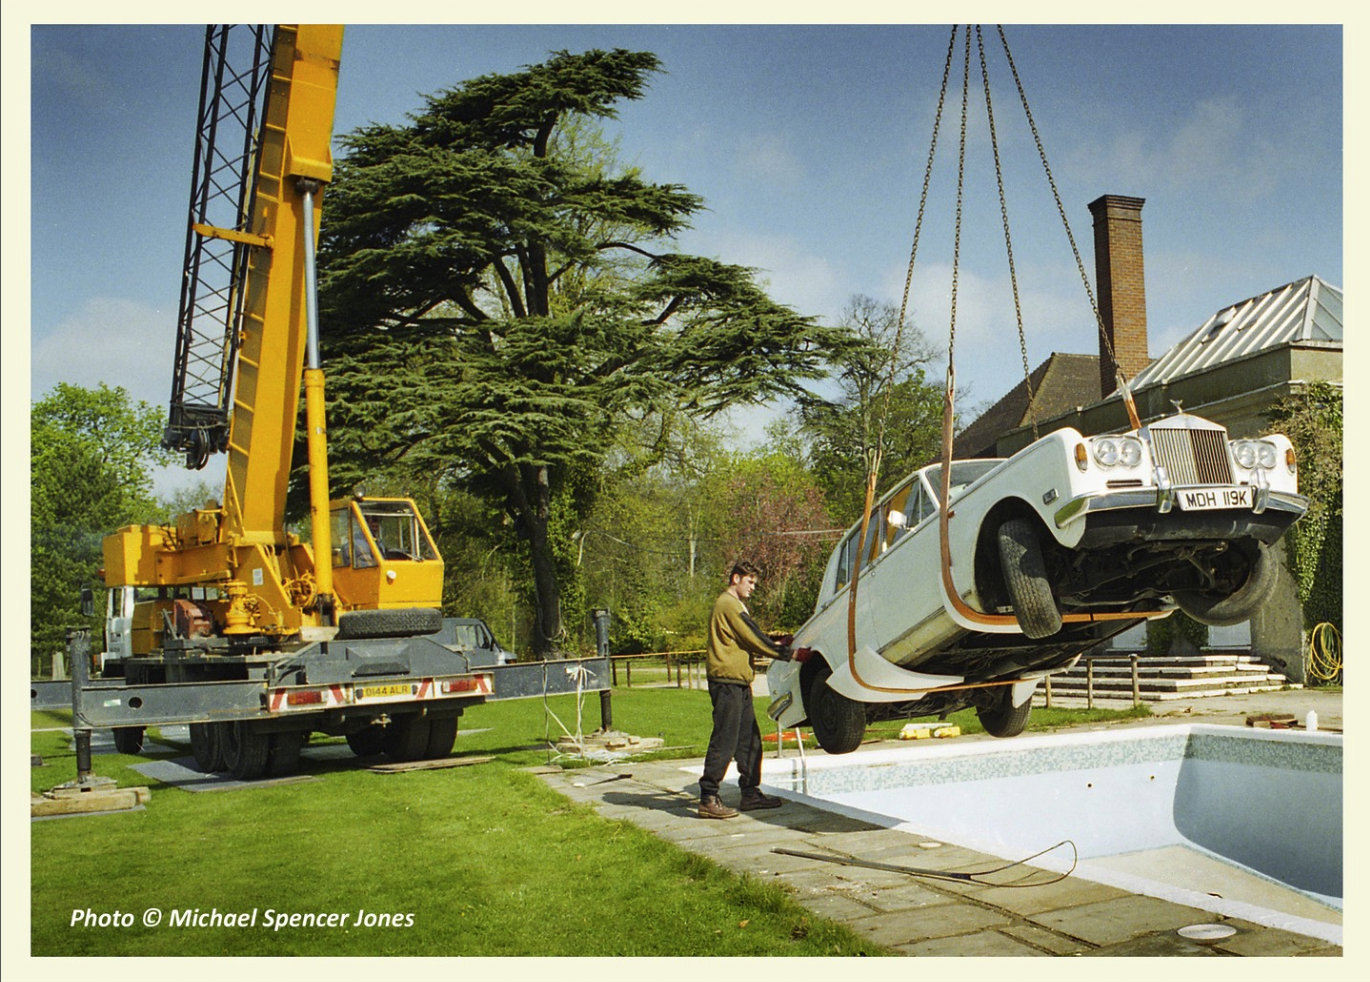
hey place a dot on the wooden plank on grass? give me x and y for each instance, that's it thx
(102, 800)
(428, 765)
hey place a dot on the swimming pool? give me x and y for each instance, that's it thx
(1241, 822)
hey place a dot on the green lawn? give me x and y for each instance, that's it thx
(479, 860)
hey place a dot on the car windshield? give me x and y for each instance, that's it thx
(963, 474)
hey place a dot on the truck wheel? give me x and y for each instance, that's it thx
(407, 738)
(204, 746)
(1025, 574)
(406, 622)
(283, 753)
(442, 736)
(839, 723)
(129, 739)
(1003, 718)
(368, 742)
(245, 749)
(1239, 606)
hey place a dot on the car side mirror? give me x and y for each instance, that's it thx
(898, 520)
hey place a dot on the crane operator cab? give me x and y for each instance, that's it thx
(383, 556)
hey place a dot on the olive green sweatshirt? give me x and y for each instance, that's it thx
(733, 638)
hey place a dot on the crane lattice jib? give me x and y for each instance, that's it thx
(233, 79)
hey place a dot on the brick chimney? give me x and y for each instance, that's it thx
(1122, 286)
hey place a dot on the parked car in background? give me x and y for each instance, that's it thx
(473, 635)
(1071, 540)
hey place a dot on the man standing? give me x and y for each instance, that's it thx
(733, 639)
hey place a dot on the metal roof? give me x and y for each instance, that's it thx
(1305, 310)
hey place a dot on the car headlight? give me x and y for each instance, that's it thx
(1112, 451)
(1130, 452)
(1251, 454)
(1106, 452)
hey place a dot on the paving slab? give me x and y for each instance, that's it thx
(1044, 941)
(982, 944)
(1121, 919)
(908, 927)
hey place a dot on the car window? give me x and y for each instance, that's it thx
(875, 537)
(898, 518)
(963, 474)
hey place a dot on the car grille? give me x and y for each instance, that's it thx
(1192, 456)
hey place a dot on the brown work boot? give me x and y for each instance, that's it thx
(753, 799)
(714, 808)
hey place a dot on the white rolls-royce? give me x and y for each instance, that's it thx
(1071, 540)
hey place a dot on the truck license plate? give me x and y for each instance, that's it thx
(1210, 499)
(384, 691)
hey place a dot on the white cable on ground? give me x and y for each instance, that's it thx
(583, 676)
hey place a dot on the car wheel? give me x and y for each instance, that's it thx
(403, 622)
(283, 757)
(129, 740)
(1003, 718)
(1226, 609)
(442, 736)
(245, 749)
(205, 748)
(839, 723)
(407, 738)
(1025, 575)
(368, 742)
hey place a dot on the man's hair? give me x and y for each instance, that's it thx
(744, 567)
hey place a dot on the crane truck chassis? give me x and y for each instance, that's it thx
(401, 697)
(249, 634)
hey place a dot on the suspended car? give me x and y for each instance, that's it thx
(1068, 542)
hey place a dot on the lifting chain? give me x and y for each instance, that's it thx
(1075, 251)
(948, 417)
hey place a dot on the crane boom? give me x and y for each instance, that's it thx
(296, 135)
(267, 584)
(227, 620)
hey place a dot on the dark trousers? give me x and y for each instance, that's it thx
(736, 737)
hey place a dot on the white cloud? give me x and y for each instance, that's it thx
(1216, 148)
(791, 273)
(111, 340)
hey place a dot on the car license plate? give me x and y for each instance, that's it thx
(1211, 499)
(384, 691)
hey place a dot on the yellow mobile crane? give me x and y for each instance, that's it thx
(239, 628)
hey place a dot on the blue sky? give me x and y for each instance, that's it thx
(808, 143)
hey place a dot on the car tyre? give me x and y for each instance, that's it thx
(283, 757)
(367, 742)
(129, 740)
(404, 622)
(442, 736)
(1025, 575)
(205, 747)
(407, 738)
(839, 723)
(1225, 610)
(1003, 718)
(245, 749)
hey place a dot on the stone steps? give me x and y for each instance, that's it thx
(1160, 678)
